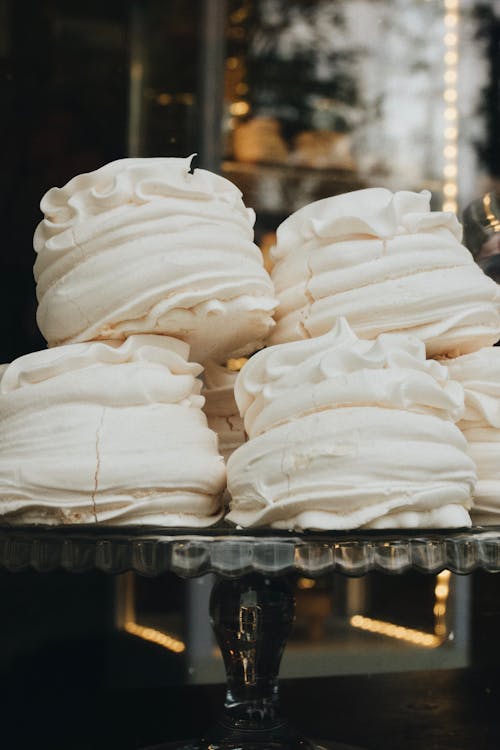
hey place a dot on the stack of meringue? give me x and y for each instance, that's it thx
(108, 432)
(345, 433)
(390, 266)
(386, 263)
(150, 246)
(220, 407)
(479, 373)
(142, 260)
(146, 267)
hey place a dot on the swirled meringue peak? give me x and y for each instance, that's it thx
(348, 433)
(150, 246)
(220, 407)
(108, 432)
(479, 373)
(387, 263)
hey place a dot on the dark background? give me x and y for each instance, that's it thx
(64, 88)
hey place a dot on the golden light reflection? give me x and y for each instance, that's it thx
(235, 365)
(410, 635)
(239, 108)
(441, 594)
(155, 636)
(164, 99)
(306, 583)
(380, 627)
(494, 223)
(450, 97)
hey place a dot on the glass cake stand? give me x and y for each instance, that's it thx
(252, 605)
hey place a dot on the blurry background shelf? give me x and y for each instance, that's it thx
(279, 189)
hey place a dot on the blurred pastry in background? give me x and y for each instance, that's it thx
(322, 149)
(259, 140)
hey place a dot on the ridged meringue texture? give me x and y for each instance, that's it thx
(345, 433)
(148, 246)
(220, 407)
(386, 263)
(108, 432)
(479, 373)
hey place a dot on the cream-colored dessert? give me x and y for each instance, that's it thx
(479, 373)
(259, 140)
(220, 407)
(346, 433)
(322, 149)
(108, 432)
(386, 263)
(148, 246)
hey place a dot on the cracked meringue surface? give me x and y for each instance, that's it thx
(150, 246)
(108, 432)
(386, 263)
(479, 373)
(220, 407)
(347, 433)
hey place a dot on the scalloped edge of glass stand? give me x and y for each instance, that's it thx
(232, 553)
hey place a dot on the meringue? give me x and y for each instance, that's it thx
(220, 407)
(108, 432)
(387, 263)
(345, 433)
(479, 373)
(148, 246)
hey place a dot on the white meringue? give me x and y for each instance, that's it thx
(108, 432)
(220, 407)
(147, 246)
(346, 433)
(387, 263)
(479, 373)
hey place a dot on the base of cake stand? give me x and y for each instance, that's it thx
(295, 743)
(252, 617)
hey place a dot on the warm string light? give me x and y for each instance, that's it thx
(450, 97)
(239, 108)
(410, 635)
(155, 636)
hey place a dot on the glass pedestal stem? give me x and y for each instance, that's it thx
(251, 618)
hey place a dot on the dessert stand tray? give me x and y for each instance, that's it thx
(252, 603)
(233, 553)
